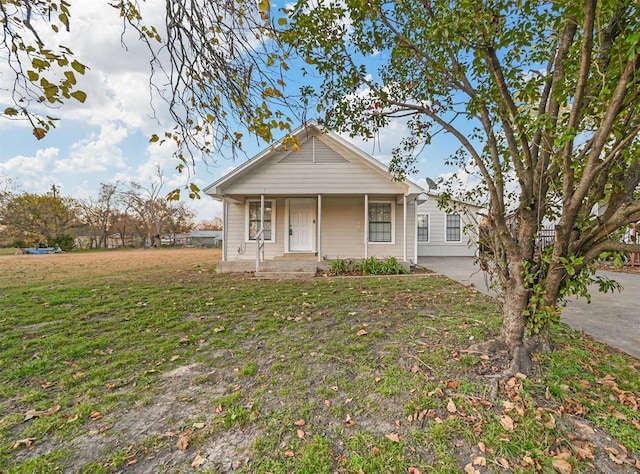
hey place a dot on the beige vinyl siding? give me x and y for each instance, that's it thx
(237, 247)
(314, 167)
(343, 230)
(437, 245)
(342, 227)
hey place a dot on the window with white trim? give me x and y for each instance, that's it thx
(253, 220)
(453, 232)
(381, 215)
(423, 227)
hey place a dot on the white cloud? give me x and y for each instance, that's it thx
(97, 153)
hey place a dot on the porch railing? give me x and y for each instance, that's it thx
(259, 248)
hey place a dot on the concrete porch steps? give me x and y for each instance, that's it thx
(282, 269)
(296, 257)
(283, 275)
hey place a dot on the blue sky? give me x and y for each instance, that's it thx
(106, 139)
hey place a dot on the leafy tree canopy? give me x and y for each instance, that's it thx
(216, 65)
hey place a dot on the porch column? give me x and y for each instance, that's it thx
(224, 229)
(404, 209)
(415, 231)
(366, 226)
(319, 229)
(262, 211)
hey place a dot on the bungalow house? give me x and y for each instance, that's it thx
(320, 200)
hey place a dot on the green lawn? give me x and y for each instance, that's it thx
(163, 371)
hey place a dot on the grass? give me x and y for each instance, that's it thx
(157, 365)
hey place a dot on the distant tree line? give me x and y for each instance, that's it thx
(122, 215)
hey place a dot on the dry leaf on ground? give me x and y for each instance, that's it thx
(198, 461)
(562, 465)
(183, 440)
(393, 437)
(507, 423)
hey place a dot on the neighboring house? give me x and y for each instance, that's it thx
(195, 238)
(115, 241)
(322, 199)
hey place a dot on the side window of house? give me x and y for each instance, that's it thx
(423, 227)
(380, 222)
(254, 219)
(453, 230)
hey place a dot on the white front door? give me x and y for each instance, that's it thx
(301, 225)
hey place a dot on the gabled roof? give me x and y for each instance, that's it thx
(302, 134)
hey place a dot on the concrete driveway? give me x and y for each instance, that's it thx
(612, 318)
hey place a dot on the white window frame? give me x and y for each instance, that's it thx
(393, 223)
(246, 219)
(446, 228)
(428, 216)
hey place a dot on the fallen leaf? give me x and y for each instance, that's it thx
(174, 358)
(507, 422)
(614, 457)
(451, 406)
(586, 428)
(503, 463)
(132, 462)
(198, 426)
(289, 454)
(348, 421)
(414, 470)
(26, 441)
(198, 461)
(300, 434)
(327, 403)
(482, 447)
(583, 449)
(35, 413)
(96, 415)
(299, 423)
(479, 461)
(393, 437)
(562, 465)
(183, 440)
(469, 469)
(219, 329)
(362, 332)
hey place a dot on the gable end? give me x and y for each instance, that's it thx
(313, 151)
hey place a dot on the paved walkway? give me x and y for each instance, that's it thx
(612, 318)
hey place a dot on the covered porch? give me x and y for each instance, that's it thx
(303, 233)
